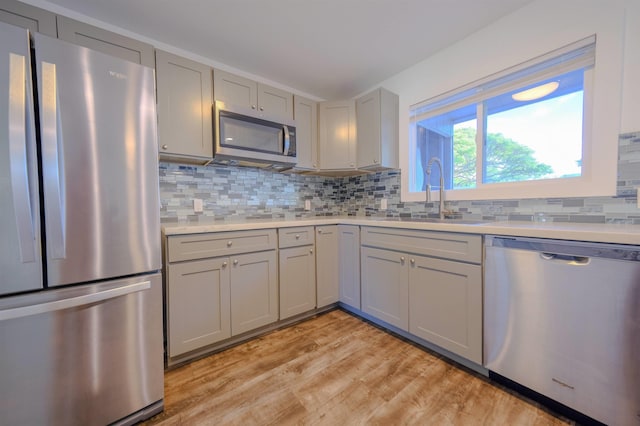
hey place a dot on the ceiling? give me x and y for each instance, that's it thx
(330, 49)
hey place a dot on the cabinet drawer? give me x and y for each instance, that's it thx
(200, 246)
(446, 245)
(298, 236)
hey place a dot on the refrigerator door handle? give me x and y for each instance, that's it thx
(72, 302)
(21, 133)
(52, 168)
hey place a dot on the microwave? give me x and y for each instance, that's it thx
(244, 137)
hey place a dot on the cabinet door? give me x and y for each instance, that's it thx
(254, 291)
(368, 122)
(377, 128)
(275, 103)
(385, 286)
(184, 107)
(327, 264)
(297, 281)
(29, 17)
(306, 116)
(235, 90)
(337, 123)
(198, 301)
(105, 41)
(446, 305)
(349, 264)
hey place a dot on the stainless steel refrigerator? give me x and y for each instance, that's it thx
(80, 289)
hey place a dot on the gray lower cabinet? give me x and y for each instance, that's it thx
(327, 265)
(297, 266)
(427, 283)
(218, 285)
(198, 297)
(349, 264)
(297, 280)
(385, 286)
(254, 291)
(445, 305)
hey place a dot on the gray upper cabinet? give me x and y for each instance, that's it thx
(184, 108)
(105, 41)
(377, 121)
(306, 116)
(26, 16)
(269, 101)
(337, 130)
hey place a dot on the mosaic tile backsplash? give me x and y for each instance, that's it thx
(238, 192)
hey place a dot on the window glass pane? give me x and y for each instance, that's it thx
(451, 138)
(538, 138)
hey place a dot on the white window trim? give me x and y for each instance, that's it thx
(600, 130)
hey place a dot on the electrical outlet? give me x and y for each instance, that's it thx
(307, 205)
(383, 204)
(197, 205)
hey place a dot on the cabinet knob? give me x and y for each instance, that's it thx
(235, 262)
(261, 108)
(229, 243)
(165, 146)
(413, 261)
(375, 161)
(311, 251)
(297, 236)
(224, 264)
(402, 259)
(314, 165)
(253, 107)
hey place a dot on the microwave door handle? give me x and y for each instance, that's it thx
(287, 140)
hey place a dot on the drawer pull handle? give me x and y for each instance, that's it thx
(229, 243)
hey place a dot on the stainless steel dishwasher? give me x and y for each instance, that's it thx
(562, 318)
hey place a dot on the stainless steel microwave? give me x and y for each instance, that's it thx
(241, 135)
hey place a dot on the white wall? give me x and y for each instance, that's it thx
(536, 29)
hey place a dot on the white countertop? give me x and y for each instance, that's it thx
(597, 232)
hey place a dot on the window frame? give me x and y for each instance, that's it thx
(585, 185)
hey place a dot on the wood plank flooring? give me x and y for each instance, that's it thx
(336, 369)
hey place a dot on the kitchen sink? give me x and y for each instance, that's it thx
(435, 220)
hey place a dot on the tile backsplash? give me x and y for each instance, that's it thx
(237, 192)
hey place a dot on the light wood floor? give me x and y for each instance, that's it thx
(336, 369)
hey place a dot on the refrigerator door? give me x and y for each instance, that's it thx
(20, 255)
(82, 355)
(99, 163)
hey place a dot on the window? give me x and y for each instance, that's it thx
(514, 130)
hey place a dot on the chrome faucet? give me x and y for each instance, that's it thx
(428, 171)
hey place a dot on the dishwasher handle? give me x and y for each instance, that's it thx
(567, 258)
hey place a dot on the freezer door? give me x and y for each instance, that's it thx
(99, 163)
(82, 355)
(20, 258)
